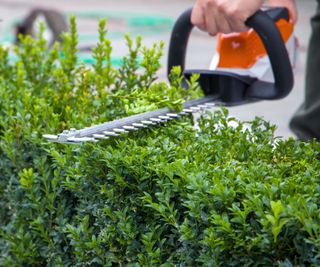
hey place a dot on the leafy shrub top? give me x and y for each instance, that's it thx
(172, 196)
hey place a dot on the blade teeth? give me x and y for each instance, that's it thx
(157, 120)
(80, 140)
(173, 115)
(110, 133)
(148, 122)
(203, 106)
(129, 128)
(51, 137)
(211, 104)
(121, 131)
(139, 125)
(165, 118)
(100, 136)
(73, 135)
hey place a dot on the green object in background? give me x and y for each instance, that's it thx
(85, 58)
(135, 24)
(88, 59)
(161, 23)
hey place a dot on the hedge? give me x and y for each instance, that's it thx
(187, 194)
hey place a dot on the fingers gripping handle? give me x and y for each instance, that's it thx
(272, 40)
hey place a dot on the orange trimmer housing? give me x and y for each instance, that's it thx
(243, 50)
(248, 67)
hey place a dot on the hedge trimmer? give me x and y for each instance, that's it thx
(246, 69)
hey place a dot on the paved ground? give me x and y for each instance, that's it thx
(200, 49)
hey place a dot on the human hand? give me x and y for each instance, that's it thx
(225, 16)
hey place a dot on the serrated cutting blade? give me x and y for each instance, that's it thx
(132, 123)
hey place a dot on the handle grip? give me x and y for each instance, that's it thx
(265, 27)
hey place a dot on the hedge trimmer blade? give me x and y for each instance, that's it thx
(132, 123)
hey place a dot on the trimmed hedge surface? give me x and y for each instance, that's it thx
(178, 195)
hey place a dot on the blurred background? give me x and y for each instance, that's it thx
(153, 20)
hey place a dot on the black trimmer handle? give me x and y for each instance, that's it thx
(265, 27)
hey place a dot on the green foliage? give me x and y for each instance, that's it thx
(178, 195)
